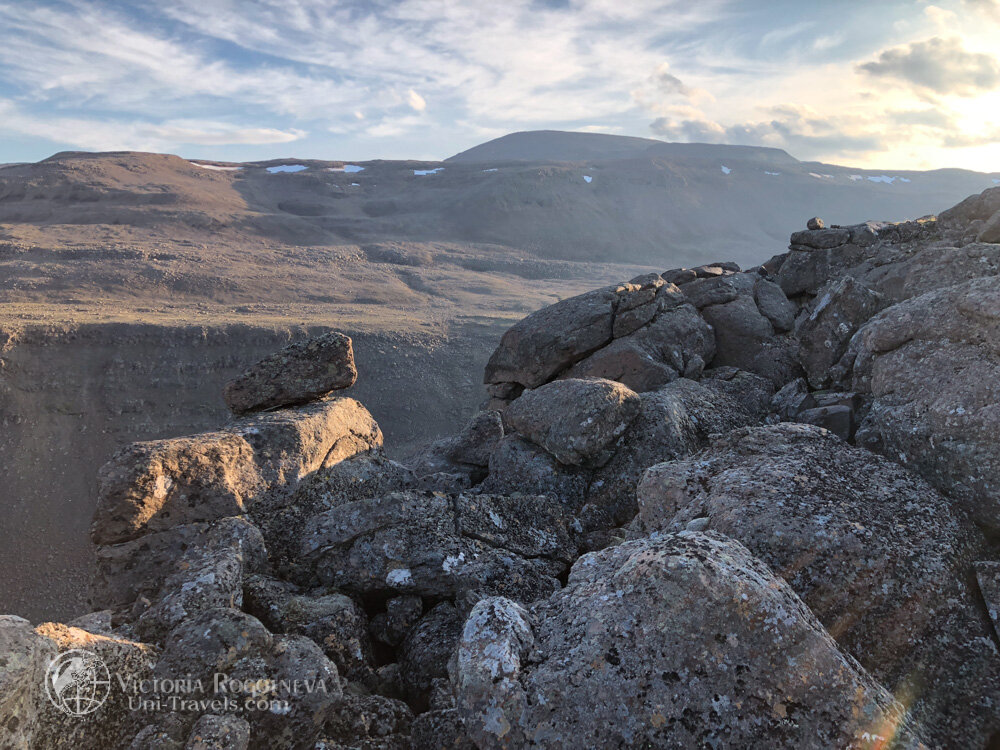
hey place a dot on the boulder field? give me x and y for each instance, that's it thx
(711, 507)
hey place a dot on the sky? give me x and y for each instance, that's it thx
(900, 85)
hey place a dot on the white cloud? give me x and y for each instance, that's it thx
(416, 102)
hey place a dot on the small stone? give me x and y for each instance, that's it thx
(815, 223)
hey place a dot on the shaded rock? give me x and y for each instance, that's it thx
(154, 485)
(24, 658)
(745, 339)
(467, 453)
(931, 366)
(364, 717)
(365, 475)
(331, 620)
(112, 658)
(139, 568)
(206, 576)
(774, 305)
(401, 614)
(427, 648)
(792, 399)
(710, 291)
(685, 640)
(554, 338)
(991, 229)
(236, 649)
(154, 737)
(673, 421)
(822, 239)
(577, 421)
(988, 578)
(876, 553)
(219, 733)
(679, 276)
(678, 342)
(518, 466)
(436, 545)
(840, 310)
(299, 373)
(440, 730)
(837, 419)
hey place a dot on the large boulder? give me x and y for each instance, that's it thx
(674, 421)
(685, 640)
(840, 309)
(152, 486)
(931, 366)
(577, 421)
(677, 343)
(877, 554)
(554, 338)
(299, 373)
(106, 669)
(283, 686)
(437, 545)
(137, 569)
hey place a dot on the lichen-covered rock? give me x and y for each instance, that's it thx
(877, 554)
(24, 658)
(672, 422)
(333, 621)
(577, 421)
(219, 733)
(206, 576)
(138, 569)
(152, 486)
(840, 310)
(427, 648)
(438, 545)
(117, 659)
(299, 373)
(931, 366)
(282, 685)
(684, 641)
(442, 729)
(677, 342)
(364, 719)
(362, 476)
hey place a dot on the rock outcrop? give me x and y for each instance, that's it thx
(684, 640)
(709, 507)
(878, 555)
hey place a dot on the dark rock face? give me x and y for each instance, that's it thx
(878, 555)
(840, 309)
(436, 545)
(620, 657)
(299, 373)
(577, 421)
(930, 367)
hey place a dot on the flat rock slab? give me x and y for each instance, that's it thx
(299, 373)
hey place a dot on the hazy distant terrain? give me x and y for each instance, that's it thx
(132, 285)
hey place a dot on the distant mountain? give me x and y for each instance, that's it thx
(560, 145)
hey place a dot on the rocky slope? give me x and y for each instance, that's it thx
(708, 507)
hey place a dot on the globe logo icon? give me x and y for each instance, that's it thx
(77, 682)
